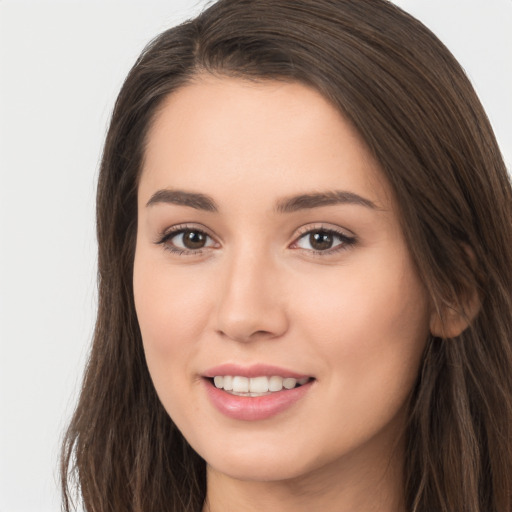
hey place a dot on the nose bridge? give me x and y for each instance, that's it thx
(250, 303)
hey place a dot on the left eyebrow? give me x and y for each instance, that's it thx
(183, 198)
(316, 200)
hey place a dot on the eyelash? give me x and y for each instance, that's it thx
(169, 234)
(346, 241)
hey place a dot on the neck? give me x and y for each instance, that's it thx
(350, 485)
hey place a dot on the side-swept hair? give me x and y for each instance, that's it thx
(418, 114)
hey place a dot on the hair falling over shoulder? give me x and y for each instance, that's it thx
(419, 115)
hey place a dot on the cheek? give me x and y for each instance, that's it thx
(364, 302)
(369, 329)
(171, 306)
(369, 324)
(172, 311)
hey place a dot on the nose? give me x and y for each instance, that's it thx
(252, 300)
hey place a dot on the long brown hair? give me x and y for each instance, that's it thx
(415, 108)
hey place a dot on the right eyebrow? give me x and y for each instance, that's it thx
(182, 198)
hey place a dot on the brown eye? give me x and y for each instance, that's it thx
(192, 239)
(321, 240)
(187, 240)
(324, 240)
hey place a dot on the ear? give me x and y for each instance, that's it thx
(450, 320)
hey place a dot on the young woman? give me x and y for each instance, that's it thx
(305, 279)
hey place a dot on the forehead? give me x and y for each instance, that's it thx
(268, 137)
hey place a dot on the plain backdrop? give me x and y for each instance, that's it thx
(61, 66)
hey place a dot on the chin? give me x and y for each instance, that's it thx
(261, 471)
(258, 462)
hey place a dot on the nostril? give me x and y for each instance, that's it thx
(239, 333)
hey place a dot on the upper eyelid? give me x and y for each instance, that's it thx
(178, 228)
(308, 228)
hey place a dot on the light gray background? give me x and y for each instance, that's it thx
(61, 66)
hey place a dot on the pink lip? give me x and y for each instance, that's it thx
(256, 408)
(255, 370)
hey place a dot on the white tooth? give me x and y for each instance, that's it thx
(218, 381)
(258, 384)
(275, 383)
(303, 380)
(228, 382)
(289, 383)
(240, 384)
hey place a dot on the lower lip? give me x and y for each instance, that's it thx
(254, 408)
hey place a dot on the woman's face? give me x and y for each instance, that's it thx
(269, 249)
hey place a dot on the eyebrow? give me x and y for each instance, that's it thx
(182, 198)
(287, 205)
(316, 200)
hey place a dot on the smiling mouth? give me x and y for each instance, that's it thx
(256, 386)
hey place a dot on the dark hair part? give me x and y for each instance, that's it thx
(415, 108)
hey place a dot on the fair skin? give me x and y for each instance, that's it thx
(320, 288)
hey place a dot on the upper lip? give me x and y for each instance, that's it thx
(254, 370)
